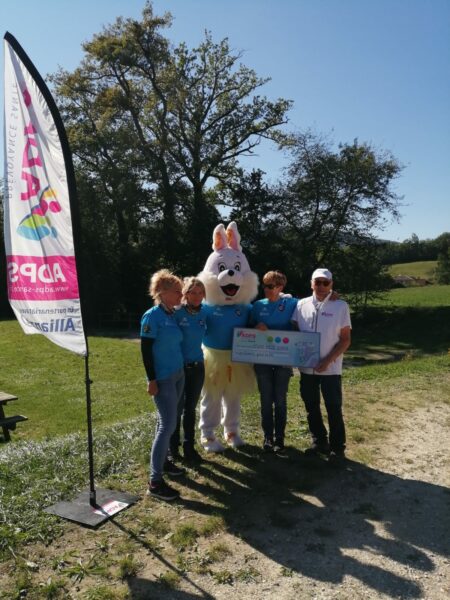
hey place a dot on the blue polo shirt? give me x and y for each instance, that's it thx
(276, 315)
(193, 327)
(167, 352)
(220, 322)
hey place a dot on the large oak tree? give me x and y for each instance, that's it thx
(153, 127)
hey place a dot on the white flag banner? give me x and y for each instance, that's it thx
(40, 254)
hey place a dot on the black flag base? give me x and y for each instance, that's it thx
(80, 509)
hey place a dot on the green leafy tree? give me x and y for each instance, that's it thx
(335, 196)
(153, 128)
(443, 267)
(360, 274)
(330, 199)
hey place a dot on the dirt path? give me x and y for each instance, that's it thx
(296, 529)
(367, 533)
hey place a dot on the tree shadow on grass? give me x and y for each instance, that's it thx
(312, 519)
(403, 329)
(309, 518)
(143, 589)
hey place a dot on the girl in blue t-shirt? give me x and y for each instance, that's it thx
(273, 312)
(161, 345)
(191, 319)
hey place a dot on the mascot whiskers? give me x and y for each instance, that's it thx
(230, 287)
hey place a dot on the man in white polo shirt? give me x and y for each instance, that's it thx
(332, 321)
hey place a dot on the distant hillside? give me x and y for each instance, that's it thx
(423, 269)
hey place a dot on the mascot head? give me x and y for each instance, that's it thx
(226, 275)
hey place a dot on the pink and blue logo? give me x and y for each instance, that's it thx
(37, 225)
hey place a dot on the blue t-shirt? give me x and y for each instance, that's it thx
(276, 315)
(220, 321)
(167, 353)
(193, 327)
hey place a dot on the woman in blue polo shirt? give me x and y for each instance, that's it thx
(273, 312)
(161, 340)
(191, 318)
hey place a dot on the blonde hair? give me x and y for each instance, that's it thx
(190, 283)
(276, 278)
(161, 281)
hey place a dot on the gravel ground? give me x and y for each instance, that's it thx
(369, 532)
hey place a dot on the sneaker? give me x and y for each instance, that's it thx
(191, 455)
(170, 468)
(160, 489)
(234, 440)
(173, 455)
(267, 445)
(212, 444)
(279, 449)
(336, 459)
(317, 449)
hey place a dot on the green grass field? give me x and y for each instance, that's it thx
(424, 269)
(431, 296)
(403, 350)
(49, 381)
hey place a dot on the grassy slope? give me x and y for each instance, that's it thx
(430, 296)
(411, 321)
(424, 269)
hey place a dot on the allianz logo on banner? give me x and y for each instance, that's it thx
(54, 325)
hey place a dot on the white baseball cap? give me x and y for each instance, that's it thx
(325, 273)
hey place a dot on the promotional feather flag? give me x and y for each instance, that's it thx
(39, 191)
(39, 199)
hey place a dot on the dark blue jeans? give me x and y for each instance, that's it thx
(331, 388)
(194, 376)
(273, 383)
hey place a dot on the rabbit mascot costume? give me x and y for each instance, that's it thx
(230, 286)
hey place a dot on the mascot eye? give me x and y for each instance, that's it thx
(237, 266)
(222, 267)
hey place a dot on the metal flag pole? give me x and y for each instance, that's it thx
(93, 507)
(92, 491)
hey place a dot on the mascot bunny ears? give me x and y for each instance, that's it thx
(229, 237)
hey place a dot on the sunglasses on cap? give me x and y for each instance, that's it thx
(323, 282)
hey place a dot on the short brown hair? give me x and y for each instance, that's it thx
(162, 281)
(276, 278)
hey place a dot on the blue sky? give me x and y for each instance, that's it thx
(377, 70)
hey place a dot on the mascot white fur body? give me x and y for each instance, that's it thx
(230, 287)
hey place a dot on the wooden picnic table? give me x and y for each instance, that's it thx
(8, 423)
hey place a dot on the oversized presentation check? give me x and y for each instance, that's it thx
(274, 347)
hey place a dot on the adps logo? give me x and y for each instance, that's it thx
(37, 225)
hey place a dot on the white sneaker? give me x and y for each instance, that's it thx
(234, 440)
(212, 445)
